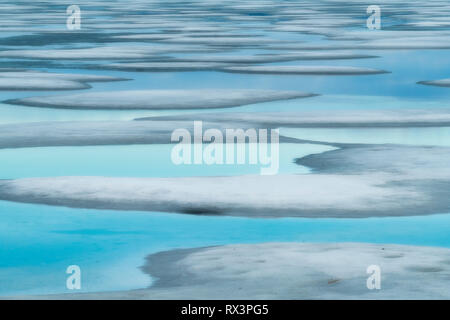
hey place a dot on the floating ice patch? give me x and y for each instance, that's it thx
(36, 84)
(408, 163)
(294, 195)
(175, 36)
(407, 43)
(266, 58)
(160, 99)
(224, 41)
(421, 136)
(327, 118)
(315, 270)
(151, 36)
(165, 66)
(389, 44)
(98, 53)
(304, 70)
(58, 76)
(79, 133)
(437, 83)
(86, 53)
(397, 181)
(383, 34)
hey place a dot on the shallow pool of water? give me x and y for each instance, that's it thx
(134, 161)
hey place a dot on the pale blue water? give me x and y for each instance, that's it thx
(133, 161)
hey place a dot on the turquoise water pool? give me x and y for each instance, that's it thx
(133, 161)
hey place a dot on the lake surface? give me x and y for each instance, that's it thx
(38, 243)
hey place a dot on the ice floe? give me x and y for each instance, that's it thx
(327, 118)
(159, 99)
(99, 53)
(90, 133)
(294, 195)
(34, 81)
(405, 163)
(13, 84)
(165, 66)
(395, 181)
(224, 41)
(304, 70)
(437, 83)
(304, 271)
(384, 44)
(267, 58)
(58, 76)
